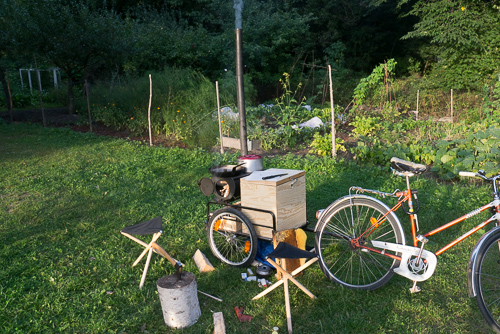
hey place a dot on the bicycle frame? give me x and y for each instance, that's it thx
(406, 196)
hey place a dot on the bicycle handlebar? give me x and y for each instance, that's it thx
(469, 174)
(482, 175)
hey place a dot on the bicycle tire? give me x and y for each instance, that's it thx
(353, 267)
(487, 280)
(232, 237)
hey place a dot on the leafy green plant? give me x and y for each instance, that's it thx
(366, 126)
(376, 84)
(480, 150)
(289, 108)
(322, 144)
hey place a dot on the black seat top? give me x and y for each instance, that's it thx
(287, 251)
(148, 227)
(407, 166)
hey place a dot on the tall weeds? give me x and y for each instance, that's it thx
(182, 107)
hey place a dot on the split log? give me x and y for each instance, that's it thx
(219, 325)
(202, 262)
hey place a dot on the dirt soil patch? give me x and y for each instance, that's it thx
(59, 117)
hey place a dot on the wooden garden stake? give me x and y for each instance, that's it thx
(218, 113)
(88, 103)
(418, 93)
(9, 96)
(452, 105)
(40, 94)
(206, 294)
(149, 110)
(334, 151)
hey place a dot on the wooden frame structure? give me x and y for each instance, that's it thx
(287, 251)
(153, 226)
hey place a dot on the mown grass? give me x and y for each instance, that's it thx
(65, 268)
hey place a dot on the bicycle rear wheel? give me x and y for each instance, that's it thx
(488, 281)
(345, 263)
(232, 237)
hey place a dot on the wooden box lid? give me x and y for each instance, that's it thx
(283, 176)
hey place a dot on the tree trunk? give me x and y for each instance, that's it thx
(4, 77)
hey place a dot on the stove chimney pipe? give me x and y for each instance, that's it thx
(238, 6)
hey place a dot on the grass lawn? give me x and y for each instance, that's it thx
(65, 268)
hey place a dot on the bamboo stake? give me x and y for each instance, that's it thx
(218, 113)
(206, 294)
(418, 93)
(452, 105)
(88, 103)
(149, 110)
(334, 150)
(29, 79)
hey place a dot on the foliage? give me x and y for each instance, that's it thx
(479, 150)
(376, 84)
(287, 105)
(448, 148)
(465, 34)
(182, 108)
(366, 126)
(322, 144)
(74, 36)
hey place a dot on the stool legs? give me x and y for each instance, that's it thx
(143, 278)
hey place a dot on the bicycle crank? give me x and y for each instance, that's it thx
(409, 267)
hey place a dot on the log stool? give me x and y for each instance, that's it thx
(179, 300)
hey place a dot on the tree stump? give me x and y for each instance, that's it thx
(179, 300)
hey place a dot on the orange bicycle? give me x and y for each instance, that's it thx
(361, 243)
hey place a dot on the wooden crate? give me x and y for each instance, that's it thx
(284, 195)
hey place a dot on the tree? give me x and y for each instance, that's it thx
(74, 35)
(466, 36)
(4, 50)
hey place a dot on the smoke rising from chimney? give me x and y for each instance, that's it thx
(238, 7)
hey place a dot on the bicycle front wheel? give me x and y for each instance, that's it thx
(232, 237)
(488, 281)
(344, 262)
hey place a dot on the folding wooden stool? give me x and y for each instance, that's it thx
(154, 227)
(287, 251)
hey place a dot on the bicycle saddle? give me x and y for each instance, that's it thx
(407, 166)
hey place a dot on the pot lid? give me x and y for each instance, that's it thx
(226, 170)
(206, 186)
(250, 157)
